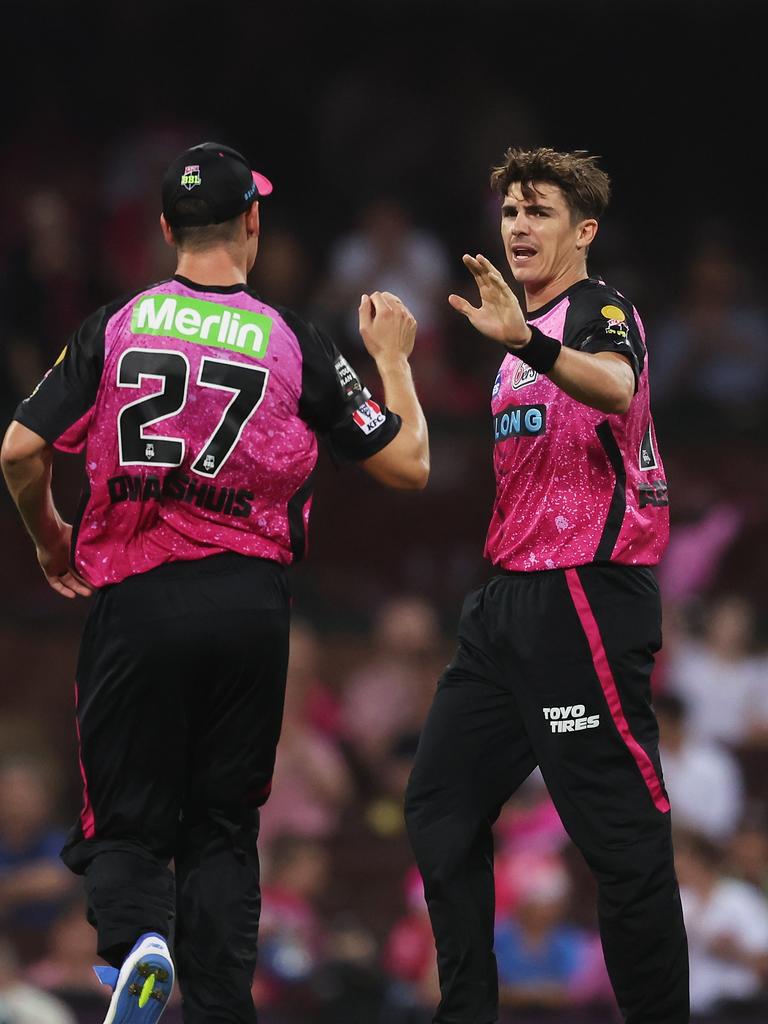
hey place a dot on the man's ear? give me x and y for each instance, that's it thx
(165, 227)
(252, 224)
(587, 232)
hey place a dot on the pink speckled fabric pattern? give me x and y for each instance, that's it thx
(554, 490)
(271, 461)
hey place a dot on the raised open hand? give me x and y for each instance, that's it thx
(499, 315)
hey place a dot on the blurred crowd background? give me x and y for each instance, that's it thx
(379, 143)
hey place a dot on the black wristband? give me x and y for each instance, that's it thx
(540, 353)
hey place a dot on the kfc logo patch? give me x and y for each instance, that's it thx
(368, 416)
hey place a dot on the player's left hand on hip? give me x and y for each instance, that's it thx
(499, 315)
(54, 561)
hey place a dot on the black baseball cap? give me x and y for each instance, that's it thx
(218, 178)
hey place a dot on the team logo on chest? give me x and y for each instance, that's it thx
(523, 376)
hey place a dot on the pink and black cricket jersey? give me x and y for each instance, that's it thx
(575, 485)
(199, 409)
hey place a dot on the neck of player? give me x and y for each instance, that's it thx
(218, 267)
(539, 293)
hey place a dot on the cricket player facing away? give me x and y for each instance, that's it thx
(555, 652)
(199, 407)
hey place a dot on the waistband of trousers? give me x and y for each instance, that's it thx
(222, 564)
(539, 573)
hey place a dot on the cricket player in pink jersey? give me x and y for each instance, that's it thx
(555, 652)
(199, 407)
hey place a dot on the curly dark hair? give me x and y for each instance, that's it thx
(585, 186)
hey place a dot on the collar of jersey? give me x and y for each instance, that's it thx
(223, 289)
(549, 306)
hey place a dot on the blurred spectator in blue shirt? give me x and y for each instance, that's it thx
(291, 936)
(539, 954)
(33, 881)
(710, 356)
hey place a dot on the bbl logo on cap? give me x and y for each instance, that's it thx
(191, 177)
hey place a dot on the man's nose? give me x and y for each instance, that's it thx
(519, 225)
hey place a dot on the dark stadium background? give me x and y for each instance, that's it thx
(341, 104)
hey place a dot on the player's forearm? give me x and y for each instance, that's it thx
(400, 396)
(604, 384)
(28, 476)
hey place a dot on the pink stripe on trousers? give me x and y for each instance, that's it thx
(608, 683)
(86, 814)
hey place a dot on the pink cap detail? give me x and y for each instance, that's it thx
(263, 185)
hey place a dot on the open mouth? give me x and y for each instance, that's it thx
(522, 253)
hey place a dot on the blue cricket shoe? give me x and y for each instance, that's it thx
(143, 985)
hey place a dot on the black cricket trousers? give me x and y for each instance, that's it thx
(553, 669)
(180, 688)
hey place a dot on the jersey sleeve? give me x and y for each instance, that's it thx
(60, 407)
(603, 321)
(335, 403)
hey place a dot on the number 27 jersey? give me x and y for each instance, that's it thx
(199, 408)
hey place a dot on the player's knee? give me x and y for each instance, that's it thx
(442, 868)
(628, 877)
(422, 807)
(441, 843)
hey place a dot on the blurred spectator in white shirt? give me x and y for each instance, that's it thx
(748, 851)
(23, 1004)
(727, 925)
(703, 780)
(723, 682)
(387, 253)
